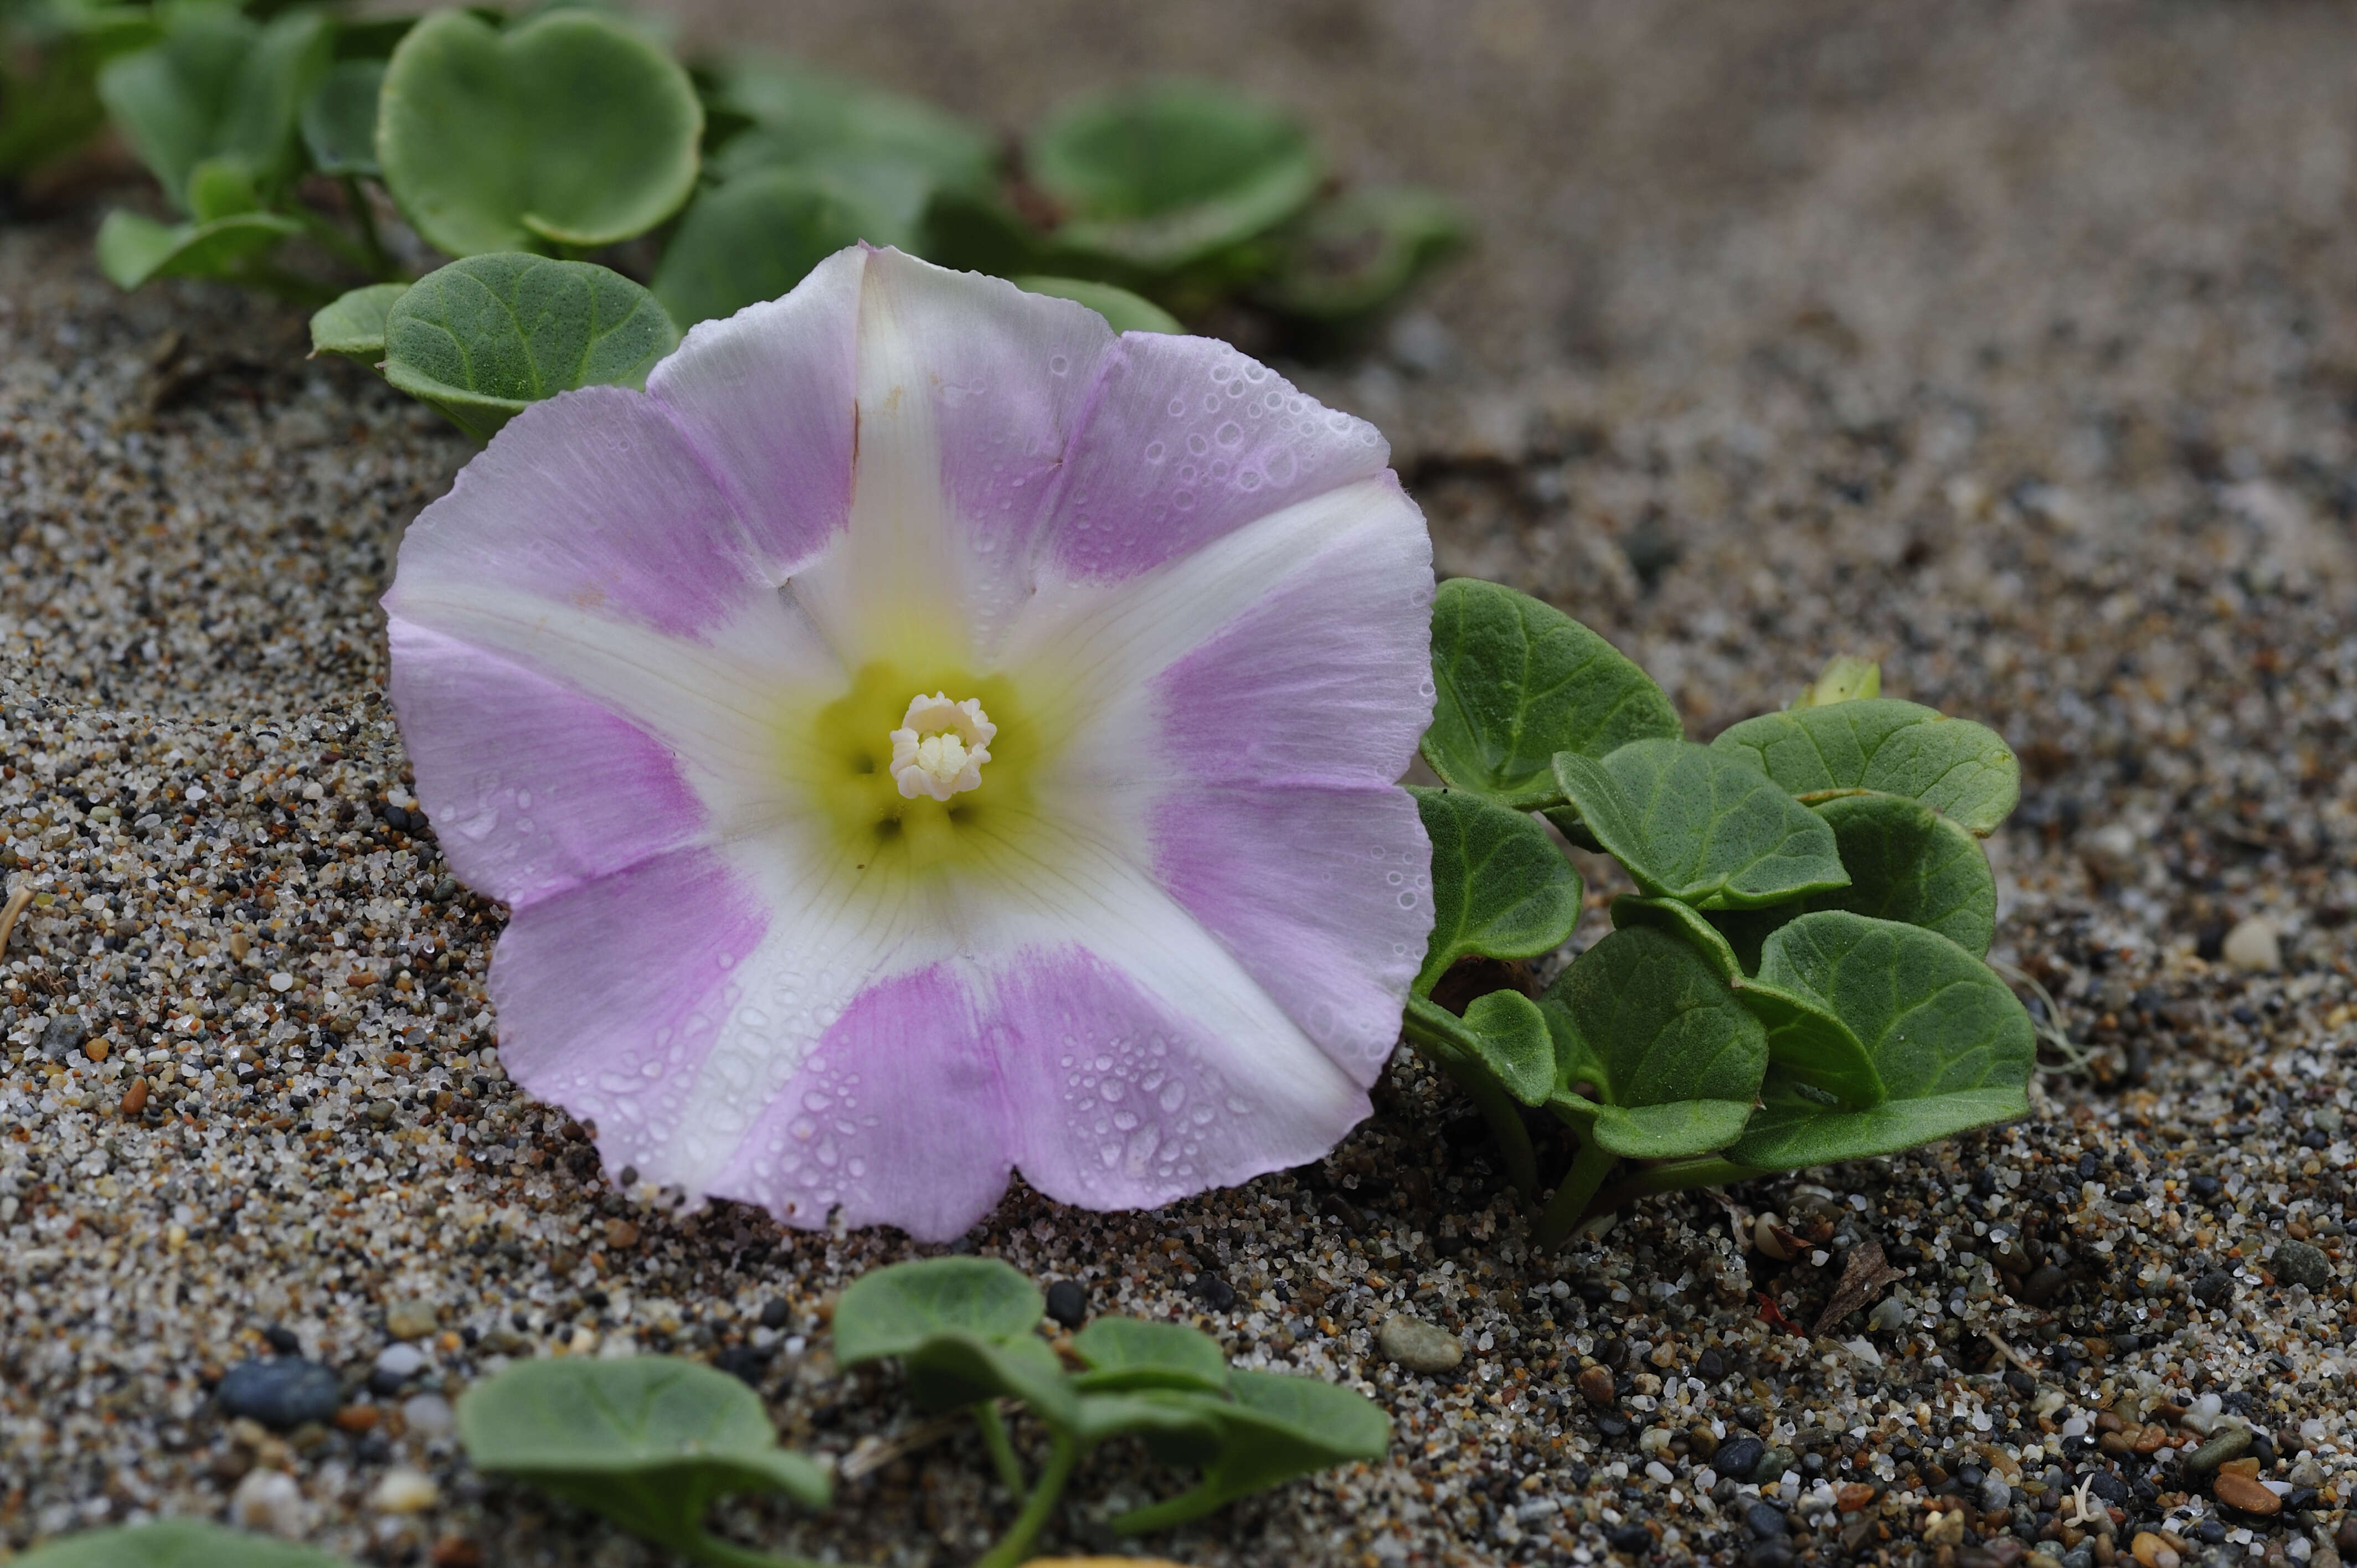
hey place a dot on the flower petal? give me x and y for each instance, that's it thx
(1186, 440)
(531, 788)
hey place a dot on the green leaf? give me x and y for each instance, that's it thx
(1355, 254)
(1955, 766)
(1842, 679)
(753, 238)
(1122, 311)
(1501, 889)
(951, 1369)
(1699, 825)
(217, 84)
(1947, 1039)
(1273, 1429)
(1911, 864)
(175, 1543)
(1674, 1058)
(803, 118)
(1171, 1422)
(570, 129)
(1163, 176)
(1682, 921)
(649, 1442)
(339, 118)
(484, 337)
(49, 61)
(353, 325)
(222, 188)
(1503, 1037)
(891, 1311)
(131, 249)
(1518, 681)
(1125, 1353)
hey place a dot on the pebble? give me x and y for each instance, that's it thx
(429, 1416)
(2230, 1444)
(1595, 1385)
(1067, 1303)
(2247, 1493)
(1739, 1456)
(2297, 1263)
(407, 1318)
(269, 1500)
(1418, 1345)
(1765, 1520)
(282, 1392)
(621, 1235)
(2254, 944)
(2043, 1284)
(406, 1490)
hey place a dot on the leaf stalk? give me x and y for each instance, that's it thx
(1015, 1546)
(1430, 1028)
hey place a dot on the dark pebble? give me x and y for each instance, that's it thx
(1770, 1554)
(1612, 1424)
(2044, 1283)
(2205, 1187)
(1215, 1293)
(2210, 1533)
(2213, 1287)
(2106, 1485)
(63, 1036)
(776, 1312)
(2020, 1382)
(743, 1362)
(1767, 1522)
(2090, 1164)
(283, 1392)
(1737, 1458)
(1632, 1539)
(1710, 1367)
(1749, 1417)
(282, 1340)
(384, 1385)
(1068, 1304)
(2298, 1263)
(2344, 1540)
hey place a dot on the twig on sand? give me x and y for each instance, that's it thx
(16, 904)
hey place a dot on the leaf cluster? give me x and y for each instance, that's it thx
(1799, 978)
(966, 1332)
(287, 136)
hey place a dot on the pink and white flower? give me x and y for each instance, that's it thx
(924, 734)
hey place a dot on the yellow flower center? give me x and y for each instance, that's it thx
(940, 746)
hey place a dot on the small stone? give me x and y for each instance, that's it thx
(63, 1036)
(1418, 1345)
(406, 1317)
(777, 1312)
(134, 1098)
(2213, 1287)
(1737, 1458)
(1852, 1496)
(2344, 1540)
(1996, 1495)
(2230, 1444)
(2147, 1549)
(2254, 944)
(1217, 1295)
(1596, 1385)
(406, 1490)
(1888, 1316)
(2247, 1493)
(1631, 1540)
(1766, 1521)
(1773, 1463)
(1702, 1443)
(621, 1235)
(1067, 1303)
(2044, 1283)
(429, 1416)
(399, 1361)
(283, 1392)
(96, 1050)
(2297, 1263)
(269, 1500)
(1710, 1367)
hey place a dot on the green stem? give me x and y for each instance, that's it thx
(1015, 1546)
(381, 262)
(1002, 1451)
(1430, 1028)
(1674, 1176)
(335, 239)
(1569, 1204)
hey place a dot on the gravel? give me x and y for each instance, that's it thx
(2013, 346)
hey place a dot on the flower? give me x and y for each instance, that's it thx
(923, 734)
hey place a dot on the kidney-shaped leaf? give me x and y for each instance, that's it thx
(1699, 825)
(753, 238)
(1165, 175)
(1518, 681)
(891, 1311)
(1353, 254)
(801, 117)
(648, 1441)
(1272, 1429)
(353, 324)
(132, 249)
(1672, 1059)
(217, 84)
(569, 129)
(1961, 769)
(175, 1543)
(1948, 1041)
(1132, 1353)
(1499, 886)
(1911, 864)
(1502, 1040)
(483, 336)
(339, 117)
(953, 1369)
